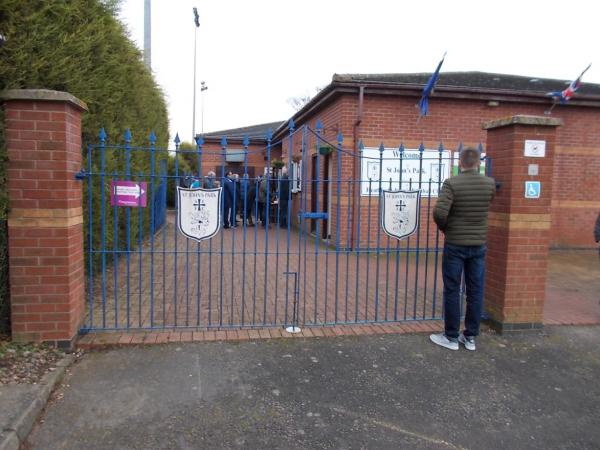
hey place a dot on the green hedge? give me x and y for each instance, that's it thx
(79, 46)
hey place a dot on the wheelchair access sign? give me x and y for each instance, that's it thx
(533, 189)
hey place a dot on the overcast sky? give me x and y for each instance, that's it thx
(255, 55)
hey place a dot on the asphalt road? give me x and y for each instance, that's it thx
(530, 391)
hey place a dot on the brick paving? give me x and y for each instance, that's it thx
(573, 288)
(126, 338)
(190, 300)
(249, 277)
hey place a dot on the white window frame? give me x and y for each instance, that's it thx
(296, 177)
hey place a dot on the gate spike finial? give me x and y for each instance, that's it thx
(199, 141)
(421, 148)
(127, 136)
(102, 134)
(401, 148)
(223, 142)
(361, 146)
(480, 148)
(177, 140)
(441, 147)
(460, 147)
(269, 135)
(319, 126)
(152, 137)
(246, 141)
(381, 148)
(340, 137)
(291, 125)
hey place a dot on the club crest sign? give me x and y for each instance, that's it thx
(199, 212)
(400, 212)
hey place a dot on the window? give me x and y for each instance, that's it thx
(234, 155)
(296, 176)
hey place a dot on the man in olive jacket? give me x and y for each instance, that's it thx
(461, 213)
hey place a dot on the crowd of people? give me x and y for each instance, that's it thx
(250, 201)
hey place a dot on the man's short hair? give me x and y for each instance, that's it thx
(469, 157)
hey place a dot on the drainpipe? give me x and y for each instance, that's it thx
(355, 168)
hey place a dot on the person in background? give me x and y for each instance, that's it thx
(196, 183)
(239, 207)
(246, 201)
(228, 201)
(283, 194)
(263, 189)
(210, 180)
(597, 231)
(461, 213)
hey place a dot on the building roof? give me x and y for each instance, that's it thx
(458, 85)
(256, 132)
(473, 80)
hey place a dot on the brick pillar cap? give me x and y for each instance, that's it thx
(42, 95)
(523, 120)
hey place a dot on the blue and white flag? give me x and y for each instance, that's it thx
(196, 17)
(424, 102)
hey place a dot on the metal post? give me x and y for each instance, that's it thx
(203, 87)
(197, 25)
(148, 34)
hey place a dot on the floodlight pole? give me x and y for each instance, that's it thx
(203, 87)
(197, 25)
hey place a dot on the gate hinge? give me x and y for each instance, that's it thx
(81, 175)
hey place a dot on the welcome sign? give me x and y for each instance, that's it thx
(403, 171)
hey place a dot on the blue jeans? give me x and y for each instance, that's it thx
(471, 260)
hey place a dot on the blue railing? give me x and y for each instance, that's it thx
(304, 249)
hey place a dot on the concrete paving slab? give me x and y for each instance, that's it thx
(22, 404)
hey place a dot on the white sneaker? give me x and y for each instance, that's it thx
(467, 341)
(442, 340)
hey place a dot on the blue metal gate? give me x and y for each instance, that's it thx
(310, 251)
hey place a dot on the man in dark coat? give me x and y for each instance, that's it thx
(597, 230)
(246, 199)
(228, 201)
(461, 213)
(283, 195)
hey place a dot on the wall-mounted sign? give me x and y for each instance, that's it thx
(128, 193)
(533, 189)
(535, 149)
(401, 173)
(532, 170)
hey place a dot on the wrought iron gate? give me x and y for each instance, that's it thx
(319, 255)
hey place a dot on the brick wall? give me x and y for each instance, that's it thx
(517, 257)
(43, 137)
(392, 120)
(212, 158)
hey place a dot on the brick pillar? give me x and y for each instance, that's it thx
(45, 231)
(519, 227)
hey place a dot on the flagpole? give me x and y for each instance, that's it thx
(549, 111)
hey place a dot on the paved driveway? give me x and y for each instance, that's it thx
(377, 392)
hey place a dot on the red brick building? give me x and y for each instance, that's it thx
(234, 158)
(380, 109)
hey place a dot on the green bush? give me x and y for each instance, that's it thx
(79, 46)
